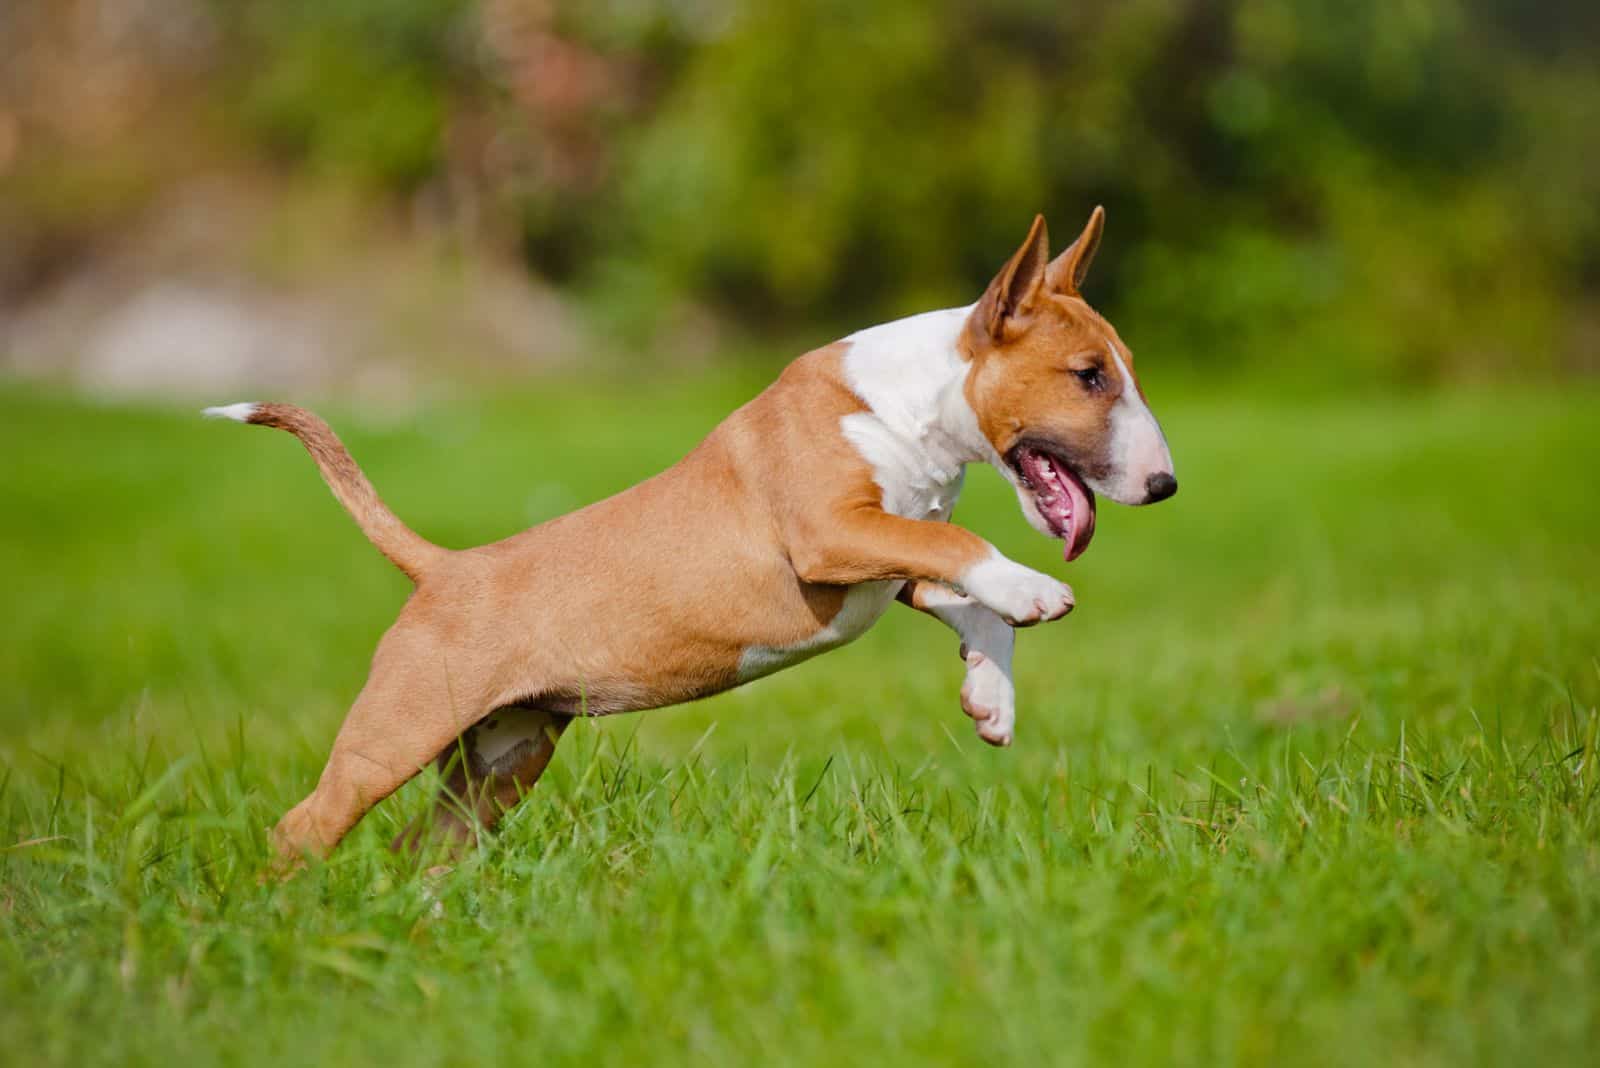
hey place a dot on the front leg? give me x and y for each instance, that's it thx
(988, 695)
(862, 543)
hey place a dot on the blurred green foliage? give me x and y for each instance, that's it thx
(351, 86)
(1377, 187)
(1391, 186)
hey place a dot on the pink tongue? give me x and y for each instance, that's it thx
(1081, 527)
(1063, 501)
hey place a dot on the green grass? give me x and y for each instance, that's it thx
(1309, 777)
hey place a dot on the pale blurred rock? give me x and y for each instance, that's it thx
(191, 303)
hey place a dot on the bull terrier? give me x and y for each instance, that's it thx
(785, 533)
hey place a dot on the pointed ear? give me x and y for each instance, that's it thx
(1067, 272)
(1019, 283)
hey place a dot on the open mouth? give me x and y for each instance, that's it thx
(1065, 503)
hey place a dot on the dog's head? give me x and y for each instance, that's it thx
(1054, 392)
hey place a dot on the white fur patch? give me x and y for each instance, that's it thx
(1138, 448)
(988, 694)
(863, 604)
(1019, 595)
(990, 697)
(919, 432)
(492, 737)
(239, 413)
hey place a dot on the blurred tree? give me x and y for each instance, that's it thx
(355, 86)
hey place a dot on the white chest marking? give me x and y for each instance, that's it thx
(919, 432)
(918, 435)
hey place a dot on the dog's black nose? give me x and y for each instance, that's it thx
(1159, 487)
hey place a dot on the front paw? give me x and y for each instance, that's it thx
(1019, 595)
(989, 698)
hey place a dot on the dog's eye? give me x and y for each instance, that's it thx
(1090, 377)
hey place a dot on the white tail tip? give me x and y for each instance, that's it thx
(239, 413)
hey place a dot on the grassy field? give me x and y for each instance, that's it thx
(1309, 777)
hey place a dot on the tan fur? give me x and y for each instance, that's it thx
(652, 597)
(586, 615)
(404, 547)
(1020, 376)
(477, 792)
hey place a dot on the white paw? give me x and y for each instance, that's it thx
(989, 698)
(1019, 595)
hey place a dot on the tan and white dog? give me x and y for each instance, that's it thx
(786, 532)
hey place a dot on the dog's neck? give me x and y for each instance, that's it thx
(912, 374)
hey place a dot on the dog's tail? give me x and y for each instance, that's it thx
(407, 549)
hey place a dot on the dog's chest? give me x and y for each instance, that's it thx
(916, 437)
(909, 489)
(915, 480)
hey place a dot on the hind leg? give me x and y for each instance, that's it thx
(404, 716)
(490, 768)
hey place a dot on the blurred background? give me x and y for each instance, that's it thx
(372, 197)
(1307, 776)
